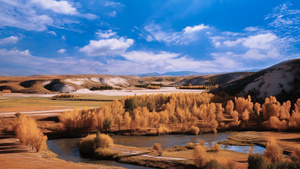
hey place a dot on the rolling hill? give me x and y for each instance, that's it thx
(281, 80)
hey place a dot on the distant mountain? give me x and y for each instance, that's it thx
(281, 80)
(179, 73)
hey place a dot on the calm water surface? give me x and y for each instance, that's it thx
(67, 149)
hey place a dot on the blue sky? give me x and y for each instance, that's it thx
(142, 36)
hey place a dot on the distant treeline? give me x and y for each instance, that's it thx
(106, 87)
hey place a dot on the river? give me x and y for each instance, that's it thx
(67, 149)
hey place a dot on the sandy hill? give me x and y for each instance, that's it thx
(213, 79)
(63, 83)
(70, 83)
(281, 80)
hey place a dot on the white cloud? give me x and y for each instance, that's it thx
(9, 40)
(251, 29)
(165, 61)
(53, 33)
(154, 32)
(112, 14)
(37, 15)
(105, 34)
(143, 56)
(261, 41)
(63, 37)
(61, 51)
(107, 47)
(195, 28)
(113, 4)
(63, 7)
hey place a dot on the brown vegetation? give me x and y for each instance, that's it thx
(273, 152)
(28, 133)
(193, 113)
(200, 155)
(96, 145)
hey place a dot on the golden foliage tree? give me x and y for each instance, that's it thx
(29, 134)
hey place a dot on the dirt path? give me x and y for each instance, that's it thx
(14, 155)
(139, 153)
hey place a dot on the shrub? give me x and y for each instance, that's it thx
(200, 155)
(157, 147)
(194, 130)
(202, 142)
(104, 153)
(64, 96)
(273, 152)
(216, 147)
(213, 164)
(87, 145)
(103, 141)
(28, 133)
(257, 161)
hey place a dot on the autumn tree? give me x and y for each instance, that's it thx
(29, 134)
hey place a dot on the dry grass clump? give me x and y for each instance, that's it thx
(216, 147)
(202, 142)
(191, 145)
(29, 134)
(194, 130)
(273, 152)
(157, 147)
(200, 155)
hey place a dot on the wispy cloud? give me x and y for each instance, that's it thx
(112, 14)
(286, 21)
(113, 4)
(105, 34)
(154, 32)
(9, 40)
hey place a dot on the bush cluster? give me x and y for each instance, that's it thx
(96, 145)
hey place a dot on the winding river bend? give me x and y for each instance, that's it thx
(67, 149)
